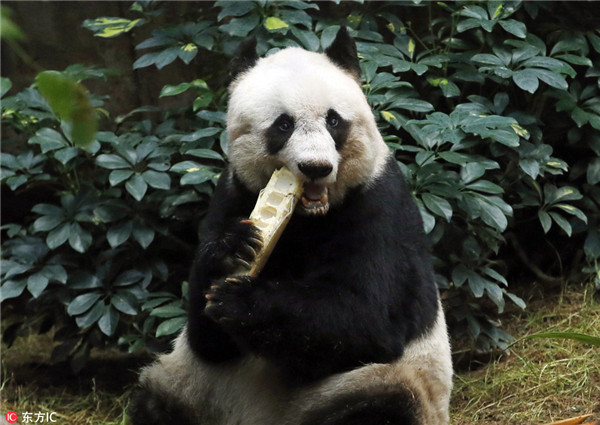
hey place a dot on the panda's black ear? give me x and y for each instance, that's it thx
(343, 52)
(245, 58)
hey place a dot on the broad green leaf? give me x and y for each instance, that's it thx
(12, 289)
(485, 187)
(108, 27)
(471, 172)
(112, 161)
(570, 209)
(109, 321)
(66, 154)
(576, 60)
(118, 176)
(167, 311)
(58, 236)
(82, 303)
(476, 284)
(273, 23)
(203, 100)
(495, 294)
(201, 134)
(171, 326)
(47, 223)
(79, 239)
(125, 302)
(492, 215)
(187, 52)
(454, 157)
(92, 316)
(235, 8)
(562, 222)
(495, 275)
(530, 166)
(517, 300)
(197, 176)
(205, 153)
(49, 140)
(307, 39)
(412, 104)
(146, 60)
(136, 186)
(526, 79)
(119, 234)
(545, 220)
(594, 41)
(567, 45)
(36, 283)
(169, 90)
(392, 118)
(552, 79)
(5, 85)
(437, 205)
(69, 101)
(143, 235)
(55, 272)
(129, 277)
(488, 59)
(516, 28)
(241, 27)
(565, 193)
(157, 180)
(166, 57)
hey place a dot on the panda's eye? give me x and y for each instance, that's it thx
(333, 119)
(284, 123)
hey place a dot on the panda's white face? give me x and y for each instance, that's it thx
(298, 109)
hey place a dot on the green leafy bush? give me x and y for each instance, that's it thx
(492, 110)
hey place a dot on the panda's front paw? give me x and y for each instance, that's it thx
(230, 301)
(234, 249)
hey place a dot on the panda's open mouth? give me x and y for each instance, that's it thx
(314, 199)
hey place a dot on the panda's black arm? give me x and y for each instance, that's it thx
(230, 201)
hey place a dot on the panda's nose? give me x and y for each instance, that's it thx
(315, 170)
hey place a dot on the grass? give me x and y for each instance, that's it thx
(540, 381)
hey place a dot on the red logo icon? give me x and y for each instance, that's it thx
(11, 417)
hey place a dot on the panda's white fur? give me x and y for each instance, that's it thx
(308, 84)
(251, 390)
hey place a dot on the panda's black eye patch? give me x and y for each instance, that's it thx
(337, 127)
(284, 123)
(333, 119)
(279, 132)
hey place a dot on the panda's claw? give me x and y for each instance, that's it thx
(229, 301)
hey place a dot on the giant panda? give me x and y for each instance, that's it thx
(344, 325)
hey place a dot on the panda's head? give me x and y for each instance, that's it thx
(306, 111)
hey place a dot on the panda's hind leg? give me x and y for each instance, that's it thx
(147, 407)
(385, 408)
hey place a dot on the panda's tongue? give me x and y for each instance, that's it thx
(315, 192)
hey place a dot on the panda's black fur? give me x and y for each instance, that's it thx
(342, 291)
(330, 298)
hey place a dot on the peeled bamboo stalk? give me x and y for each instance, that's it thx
(273, 210)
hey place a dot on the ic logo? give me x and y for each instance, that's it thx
(11, 417)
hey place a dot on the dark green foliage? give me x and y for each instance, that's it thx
(491, 108)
